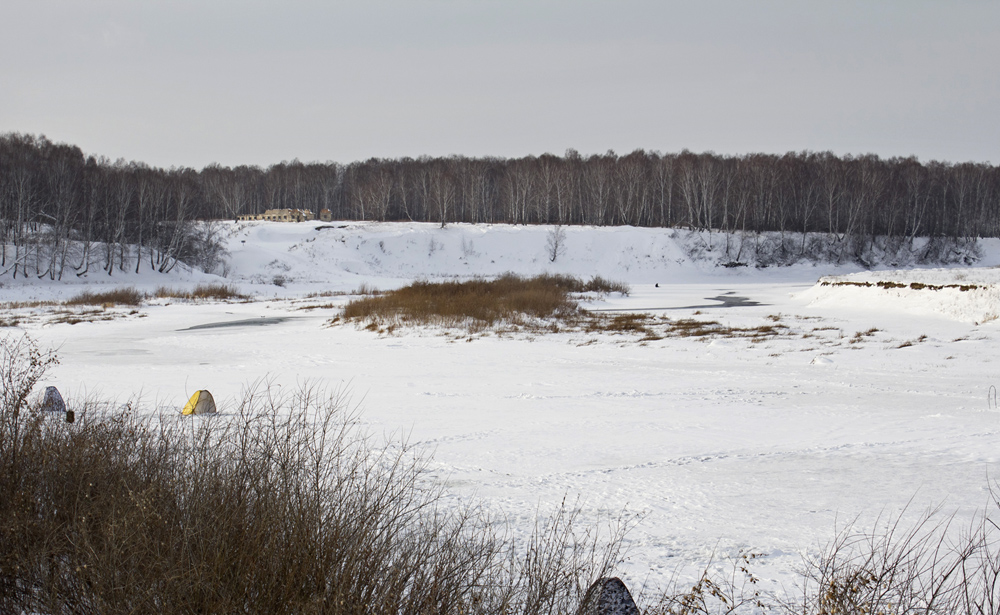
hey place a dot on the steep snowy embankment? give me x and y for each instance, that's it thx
(346, 253)
(968, 294)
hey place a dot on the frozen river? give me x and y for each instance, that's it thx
(716, 444)
(869, 398)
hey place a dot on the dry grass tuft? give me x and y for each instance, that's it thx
(116, 297)
(623, 323)
(220, 292)
(366, 289)
(124, 295)
(70, 317)
(322, 306)
(474, 304)
(21, 305)
(539, 305)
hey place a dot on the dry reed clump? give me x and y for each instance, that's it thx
(325, 293)
(70, 317)
(278, 505)
(478, 303)
(130, 296)
(221, 292)
(654, 329)
(316, 306)
(124, 295)
(21, 305)
(117, 297)
(542, 304)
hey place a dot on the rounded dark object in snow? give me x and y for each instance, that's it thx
(608, 596)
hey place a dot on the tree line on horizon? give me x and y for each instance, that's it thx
(54, 199)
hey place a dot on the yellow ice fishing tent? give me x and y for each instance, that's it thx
(200, 403)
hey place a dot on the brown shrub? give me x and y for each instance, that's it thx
(621, 323)
(507, 299)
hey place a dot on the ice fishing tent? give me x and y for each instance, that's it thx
(608, 596)
(53, 401)
(200, 403)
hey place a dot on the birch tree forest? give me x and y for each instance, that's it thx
(63, 212)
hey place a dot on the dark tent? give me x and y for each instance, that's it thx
(53, 401)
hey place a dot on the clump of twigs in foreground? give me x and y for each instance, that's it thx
(936, 565)
(932, 566)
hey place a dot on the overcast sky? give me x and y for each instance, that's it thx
(188, 83)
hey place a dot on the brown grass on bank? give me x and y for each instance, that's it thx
(276, 505)
(130, 296)
(509, 299)
(21, 305)
(658, 328)
(221, 292)
(123, 295)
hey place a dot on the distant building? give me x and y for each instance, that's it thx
(325, 215)
(282, 215)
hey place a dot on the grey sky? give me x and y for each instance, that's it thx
(251, 82)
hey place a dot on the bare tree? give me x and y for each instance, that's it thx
(555, 242)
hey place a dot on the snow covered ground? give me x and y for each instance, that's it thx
(872, 397)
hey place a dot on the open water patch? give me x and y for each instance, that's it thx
(263, 321)
(726, 300)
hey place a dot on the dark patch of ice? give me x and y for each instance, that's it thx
(250, 322)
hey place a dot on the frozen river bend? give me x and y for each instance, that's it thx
(867, 398)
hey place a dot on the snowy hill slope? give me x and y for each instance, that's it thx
(969, 295)
(344, 252)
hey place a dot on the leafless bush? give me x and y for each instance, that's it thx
(598, 284)
(735, 591)
(280, 504)
(22, 365)
(555, 242)
(204, 246)
(933, 566)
